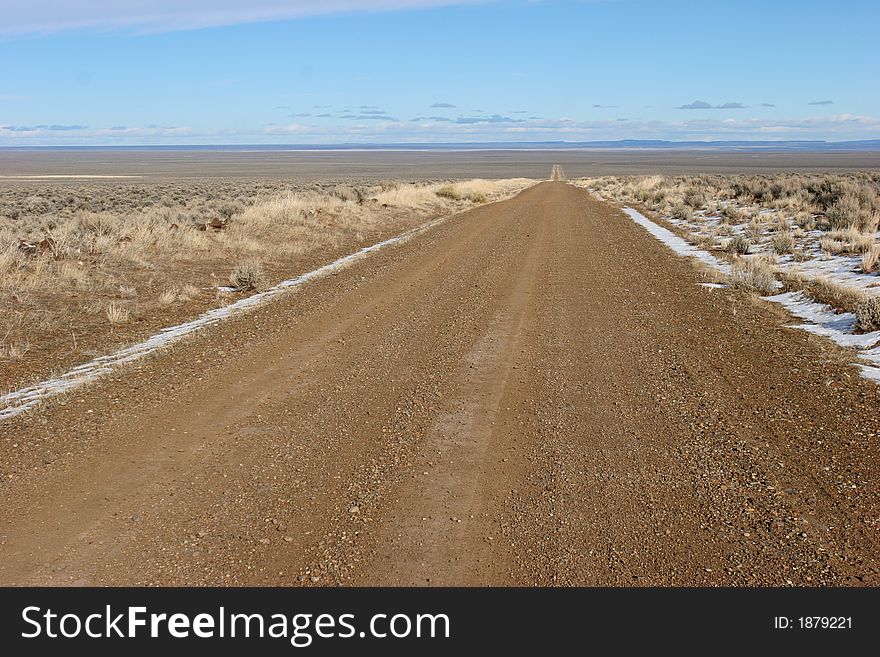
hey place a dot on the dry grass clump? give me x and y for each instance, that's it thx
(705, 242)
(755, 228)
(464, 191)
(248, 276)
(168, 296)
(14, 350)
(449, 191)
(188, 292)
(174, 294)
(805, 221)
(117, 314)
(682, 212)
(838, 296)
(475, 191)
(824, 290)
(854, 241)
(732, 215)
(738, 245)
(870, 259)
(292, 223)
(868, 314)
(419, 197)
(831, 246)
(753, 275)
(847, 242)
(695, 197)
(853, 210)
(646, 189)
(783, 242)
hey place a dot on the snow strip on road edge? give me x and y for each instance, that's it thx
(677, 244)
(13, 403)
(820, 318)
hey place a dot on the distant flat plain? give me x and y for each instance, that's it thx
(411, 165)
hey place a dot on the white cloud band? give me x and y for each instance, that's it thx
(44, 16)
(835, 128)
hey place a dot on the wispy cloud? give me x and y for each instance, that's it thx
(45, 16)
(767, 105)
(495, 127)
(146, 131)
(442, 105)
(702, 104)
(821, 102)
(38, 128)
(494, 118)
(290, 129)
(367, 116)
(500, 128)
(55, 134)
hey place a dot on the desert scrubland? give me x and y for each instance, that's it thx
(812, 232)
(89, 264)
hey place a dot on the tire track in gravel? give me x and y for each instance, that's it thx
(437, 532)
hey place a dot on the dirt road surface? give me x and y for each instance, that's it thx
(535, 392)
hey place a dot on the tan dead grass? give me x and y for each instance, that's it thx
(870, 259)
(74, 252)
(827, 201)
(248, 276)
(824, 290)
(117, 314)
(775, 211)
(753, 275)
(868, 314)
(783, 242)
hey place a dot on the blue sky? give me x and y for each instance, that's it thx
(380, 71)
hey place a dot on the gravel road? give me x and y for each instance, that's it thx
(535, 392)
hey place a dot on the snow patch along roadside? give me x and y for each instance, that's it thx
(677, 244)
(822, 320)
(819, 318)
(17, 402)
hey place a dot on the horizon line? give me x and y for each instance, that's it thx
(470, 145)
